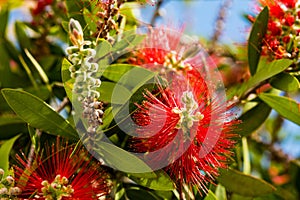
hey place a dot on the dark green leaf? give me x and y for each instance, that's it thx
(22, 37)
(138, 193)
(4, 13)
(285, 82)
(253, 119)
(37, 113)
(75, 8)
(121, 159)
(257, 33)
(286, 107)
(161, 182)
(5, 151)
(242, 184)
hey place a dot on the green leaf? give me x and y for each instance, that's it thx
(245, 185)
(107, 88)
(4, 13)
(37, 113)
(257, 33)
(253, 119)
(162, 181)
(210, 196)
(37, 66)
(266, 72)
(135, 193)
(221, 192)
(286, 107)
(285, 82)
(128, 75)
(75, 8)
(121, 159)
(12, 125)
(5, 151)
(66, 78)
(22, 37)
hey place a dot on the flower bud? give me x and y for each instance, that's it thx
(75, 32)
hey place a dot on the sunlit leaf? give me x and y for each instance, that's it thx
(5, 151)
(210, 196)
(161, 182)
(38, 113)
(257, 33)
(121, 159)
(286, 107)
(265, 72)
(285, 82)
(242, 184)
(66, 78)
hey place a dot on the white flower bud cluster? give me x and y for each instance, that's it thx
(83, 67)
(7, 189)
(83, 70)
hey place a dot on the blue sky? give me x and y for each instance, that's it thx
(199, 17)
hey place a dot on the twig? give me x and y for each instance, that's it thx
(38, 132)
(156, 12)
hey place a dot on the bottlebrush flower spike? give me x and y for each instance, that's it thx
(62, 174)
(182, 117)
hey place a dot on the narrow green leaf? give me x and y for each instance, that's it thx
(253, 119)
(286, 107)
(121, 159)
(4, 13)
(285, 82)
(37, 66)
(210, 196)
(162, 181)
(104, 48)
(257, 33)
(5, 151)
(37, 113)
(22, 37)
(242, 184)
(6, 119)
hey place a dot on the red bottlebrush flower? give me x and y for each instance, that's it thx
(289, 20)
(62, 174)
(181, 124)
(274, 28)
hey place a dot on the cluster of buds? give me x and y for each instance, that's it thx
(58, 189)
(110, 10)
(282, 39)
(7, 188)
(83, 70)
(187, 114)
